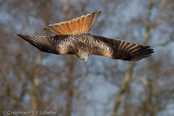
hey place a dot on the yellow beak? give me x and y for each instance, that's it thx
(85, 61)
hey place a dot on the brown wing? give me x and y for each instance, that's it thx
(75, 26)
(59, 44)
(118, 49)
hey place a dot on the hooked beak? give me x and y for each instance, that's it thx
(85, 61)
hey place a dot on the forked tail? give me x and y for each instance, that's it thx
(79, 25)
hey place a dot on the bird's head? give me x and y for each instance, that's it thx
(83, 56)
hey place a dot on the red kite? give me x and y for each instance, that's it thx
(73, 37)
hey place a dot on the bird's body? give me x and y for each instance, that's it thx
(73, 37)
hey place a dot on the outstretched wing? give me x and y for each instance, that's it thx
(75, 26)
(118, 49)
(59, 44)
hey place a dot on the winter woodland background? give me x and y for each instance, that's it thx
(34, 81)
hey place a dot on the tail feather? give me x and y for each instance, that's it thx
(68, 27)
(88, 21)
(82, 22)
(59, 28)
(64, 28)
(79, 25)
(49, 29)
(94, 18)
(72, 26)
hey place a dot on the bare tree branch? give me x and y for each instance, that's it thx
(132, 65)
(164, 3)
(35, 79)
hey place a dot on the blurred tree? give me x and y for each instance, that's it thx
(35, 79)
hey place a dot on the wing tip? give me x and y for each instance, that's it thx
(144, 52)
(25, 37)
(99, 11)
(20, 35)
(45, 27)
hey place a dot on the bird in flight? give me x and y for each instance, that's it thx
(73, 37)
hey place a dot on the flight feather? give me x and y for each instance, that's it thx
(118, 49)
(59, 44)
